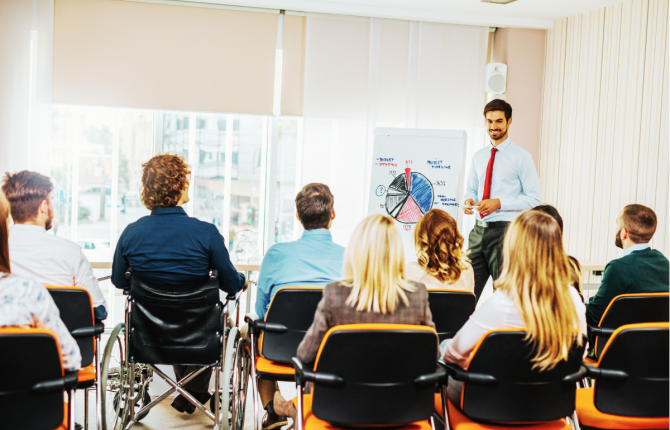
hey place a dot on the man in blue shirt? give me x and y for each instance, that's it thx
(313, 260)
(169, 247)
(502, 183)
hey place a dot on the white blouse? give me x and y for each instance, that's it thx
(414, 272)
(497, 312)
(26, 304)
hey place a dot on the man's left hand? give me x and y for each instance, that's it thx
(487, 207)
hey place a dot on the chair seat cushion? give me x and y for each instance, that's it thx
(267, 366)
(87, 373)
(310, 422)
(592, 417)
(461, 422)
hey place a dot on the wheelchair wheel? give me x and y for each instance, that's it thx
(240, 384)
(113, 378)
(234, 387)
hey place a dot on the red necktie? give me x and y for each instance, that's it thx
(489, 175)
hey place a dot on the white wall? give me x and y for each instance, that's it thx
(604, 123)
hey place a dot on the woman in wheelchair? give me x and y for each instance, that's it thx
(25, 303)
(374, 290)
(171, 249)
(533, 292)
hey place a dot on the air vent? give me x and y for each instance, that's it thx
(497, 1)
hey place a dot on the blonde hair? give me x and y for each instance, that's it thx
(536, 275)
(439, 246)
(374, 266)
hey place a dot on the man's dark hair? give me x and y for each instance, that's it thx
(551, 211)
(315, 206)
(501, 105)
(25, 191)
(640, 222)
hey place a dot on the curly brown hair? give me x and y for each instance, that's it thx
(164, 177)
(439, 246)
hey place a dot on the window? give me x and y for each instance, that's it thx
(96, 167)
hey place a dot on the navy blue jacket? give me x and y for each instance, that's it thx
(172, 248)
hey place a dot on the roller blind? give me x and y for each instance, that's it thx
(293, 66)
(116, 53)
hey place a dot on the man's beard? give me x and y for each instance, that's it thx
(617, 241)
(50, 220)
(501, 134)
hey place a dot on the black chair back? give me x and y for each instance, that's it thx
(632, 309)
(379, 365)
(451, 310)
(640, 351)
(294, 308)
(175, 324)
(520, 394)
(76, 312)
(29, 357)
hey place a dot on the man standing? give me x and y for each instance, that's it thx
(640, 270)
(502, 183)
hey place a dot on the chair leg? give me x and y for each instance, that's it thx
(299, 414)
(85, 408)
(215, 398)
(98, 387)
(445, 409)
(70, 415)
(254, 381)
(575, 421)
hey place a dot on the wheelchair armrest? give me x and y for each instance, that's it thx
(129, 273)
(463, 375)
(302, 375)
(213, 275)
(574, 377)
(440, 376)
(598, 373)
(67, 382)
(95, 330)
(599, 330)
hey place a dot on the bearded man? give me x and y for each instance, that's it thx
(49, 259)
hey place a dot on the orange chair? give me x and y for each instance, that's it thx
(631, 381)
(628, 309)
(76, 311)
(289, 316)
(33, 381)
(373, 375)
(499, 387)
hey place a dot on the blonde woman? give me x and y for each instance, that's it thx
(441, 261)
(533, 292)
(374, 288)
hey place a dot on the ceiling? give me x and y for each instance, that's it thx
(521, 13)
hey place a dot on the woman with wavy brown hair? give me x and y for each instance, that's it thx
(442, 263)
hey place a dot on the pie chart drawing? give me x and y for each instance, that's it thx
(409, 197)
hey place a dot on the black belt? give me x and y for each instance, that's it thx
(492, 224)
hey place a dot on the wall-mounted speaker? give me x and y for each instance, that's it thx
(496, 78)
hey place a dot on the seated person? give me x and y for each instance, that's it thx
(640, 269)
(575, 267)
(373, 290)
(313, 260)
(442, 263)
(169, 247)
(27, 304)
(49, 259)
(535, 275)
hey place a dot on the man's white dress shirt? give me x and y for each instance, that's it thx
(51, 260)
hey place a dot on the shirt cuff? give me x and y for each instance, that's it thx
(506, 204)
(469, 196)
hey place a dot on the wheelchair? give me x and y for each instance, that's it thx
(174, 325)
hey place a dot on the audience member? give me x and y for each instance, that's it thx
(25, 303)
(640, 270)
(313, 260)
(169, 247)
(442, 263)
(575, 267)
(532, 292)
(47, 258)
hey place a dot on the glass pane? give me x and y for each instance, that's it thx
(287, 147)
(135, 147)
(62, 156)
(173, 134)
(209, 169)
(245, 186)
(95, 177)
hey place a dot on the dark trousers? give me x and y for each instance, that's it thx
(485, 252)
(199, 384)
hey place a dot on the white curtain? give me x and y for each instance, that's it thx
(362, 73)
(604, 123)
(26, 40)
